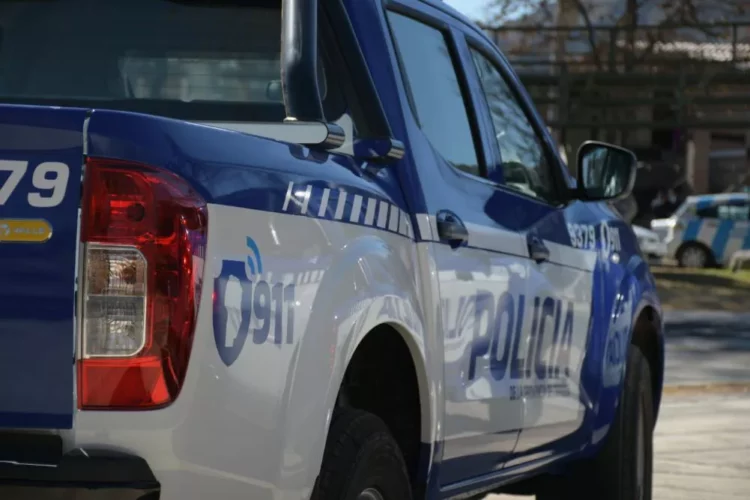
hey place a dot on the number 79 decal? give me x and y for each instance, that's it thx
(50, 179)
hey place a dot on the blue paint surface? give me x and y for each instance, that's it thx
(37, 299)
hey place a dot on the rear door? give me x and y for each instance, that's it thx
(41, 152)
(561, 240)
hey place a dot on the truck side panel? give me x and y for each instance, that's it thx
(298, 271)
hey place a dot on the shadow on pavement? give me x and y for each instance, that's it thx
(699, 279)
(707, 347)
(684, 290)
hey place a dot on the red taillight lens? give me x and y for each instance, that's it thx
(143, 232)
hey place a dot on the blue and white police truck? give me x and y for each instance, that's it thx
(706, 230)
(295, 249)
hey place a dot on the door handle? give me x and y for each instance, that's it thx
(451, 229)
(538, 250)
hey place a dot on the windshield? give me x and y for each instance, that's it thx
(210, 60)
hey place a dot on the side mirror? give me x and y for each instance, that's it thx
(605, 172)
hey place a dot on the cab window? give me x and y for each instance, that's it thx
(438, 101)
(523, 158)
(197, 60)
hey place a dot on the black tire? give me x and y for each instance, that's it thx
(361, 454)
(622, 470)
(694, 250)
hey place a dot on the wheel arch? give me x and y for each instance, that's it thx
(388, 366)
(648, 335)
(369, 288)
(636, 319)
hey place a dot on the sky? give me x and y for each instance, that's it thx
(474, 9)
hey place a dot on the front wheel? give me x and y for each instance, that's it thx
(622, 470)
(361, 461)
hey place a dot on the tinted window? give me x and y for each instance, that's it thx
(436, 92)
(524, 165)
(163, 56)
(707, 212)
(740, 212)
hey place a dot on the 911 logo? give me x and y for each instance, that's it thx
(245, 303)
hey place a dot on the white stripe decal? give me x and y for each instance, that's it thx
(288, 197)
(306, 200)
(356, 209)
(370, 213)
(324, 202)
(383, 214)
(706, 234)
(433, 228)
(393, 224)
(571, 257)
(423, 226)
(497, 240)
(340, 206)
(403, 224)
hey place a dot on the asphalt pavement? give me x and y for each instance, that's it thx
(707, 347)
(702, 439)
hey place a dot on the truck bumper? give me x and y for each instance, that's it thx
(44, 474)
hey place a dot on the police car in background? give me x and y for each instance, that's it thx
(297, 249)
(706, 230)
(651, 244)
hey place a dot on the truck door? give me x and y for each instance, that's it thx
(560, 280)
(481, 264)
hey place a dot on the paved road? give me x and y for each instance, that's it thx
(702, 449)
(707, 348)
(702, 440)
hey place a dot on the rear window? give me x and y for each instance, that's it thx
(191, 59)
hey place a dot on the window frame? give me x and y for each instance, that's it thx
(447, 31)
(553, 162)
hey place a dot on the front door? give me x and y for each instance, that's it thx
(562, 256)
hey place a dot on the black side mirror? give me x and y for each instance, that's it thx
(605, 172)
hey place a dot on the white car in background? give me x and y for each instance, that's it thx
(651, 245)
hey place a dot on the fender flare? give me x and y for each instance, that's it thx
(636, 293)
(367, 276)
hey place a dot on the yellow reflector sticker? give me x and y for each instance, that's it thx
(24, 231)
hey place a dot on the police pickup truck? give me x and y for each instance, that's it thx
(299, 249)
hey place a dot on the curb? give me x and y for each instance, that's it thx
(716, 388)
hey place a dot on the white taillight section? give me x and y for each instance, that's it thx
(114, 307)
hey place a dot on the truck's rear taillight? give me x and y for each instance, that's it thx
(143, 232)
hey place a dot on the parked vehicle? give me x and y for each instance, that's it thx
(650, 243)
(229, 273)
(707, 230)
